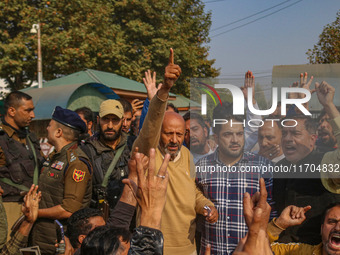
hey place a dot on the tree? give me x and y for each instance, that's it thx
(15, 45)
(126, 37)
(151, 27)
(75, 35)
(327, 50)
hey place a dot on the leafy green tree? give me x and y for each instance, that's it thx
(75, 35)
(327, 50)
(16, 53)
(152, 27)
(126, 37)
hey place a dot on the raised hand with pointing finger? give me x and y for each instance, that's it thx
(172, 72)
(292, 216)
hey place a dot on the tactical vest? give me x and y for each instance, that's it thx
(51, 183)
(19, 166)
(101, 162)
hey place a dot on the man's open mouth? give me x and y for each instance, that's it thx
(335, 241)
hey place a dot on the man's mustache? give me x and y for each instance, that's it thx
(192, 140)
(234, 144)
(173, 145)
(324, 131)
(109, 130)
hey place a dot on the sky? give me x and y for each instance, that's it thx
(280, 39)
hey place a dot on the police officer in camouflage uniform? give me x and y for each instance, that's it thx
(103, 148)
(20, 154)
(65, 178)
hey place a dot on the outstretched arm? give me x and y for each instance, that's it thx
(250, 132)
(151, 89)
(149, 135)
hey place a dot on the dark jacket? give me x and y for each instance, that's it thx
(146, 241)
(302, 192)
(18, 162)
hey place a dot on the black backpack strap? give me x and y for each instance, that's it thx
(112, 165)
(36, 168)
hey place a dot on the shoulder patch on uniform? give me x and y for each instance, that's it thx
(78, 175)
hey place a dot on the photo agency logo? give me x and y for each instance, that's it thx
(204, 91)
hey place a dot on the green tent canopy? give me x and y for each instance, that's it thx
(68, 96)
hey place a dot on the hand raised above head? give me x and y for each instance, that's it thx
(305, 84)
(136, 105)
(150, 84)
(324, 92)
(172, 72)
(249, 82)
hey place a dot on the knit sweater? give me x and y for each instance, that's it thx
(184, 199)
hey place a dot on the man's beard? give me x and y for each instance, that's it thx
(327, 243)
(330, 141)
(198, 147)
(113, 137)
(173, 154)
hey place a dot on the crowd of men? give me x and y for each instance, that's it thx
(138, 181)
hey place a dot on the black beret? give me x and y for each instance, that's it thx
(69, 118)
